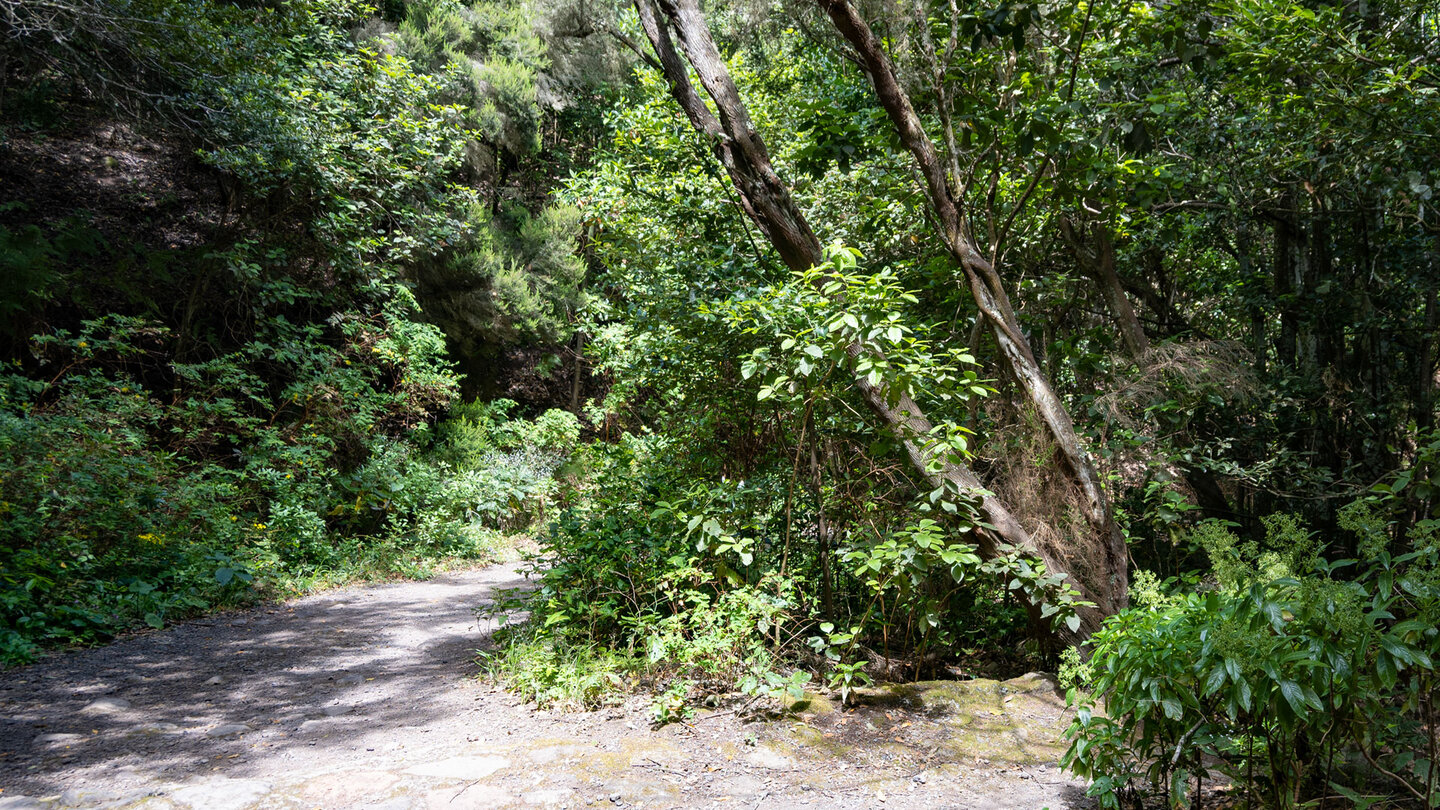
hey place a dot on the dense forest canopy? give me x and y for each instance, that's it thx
(868, 340)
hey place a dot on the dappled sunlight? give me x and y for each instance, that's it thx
(238, 694)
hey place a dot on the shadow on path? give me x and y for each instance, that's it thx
(329, 676)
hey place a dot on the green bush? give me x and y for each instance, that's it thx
(555, 672)
(625, 589)
(118, 507)
(502, 469)
(100, 529)
(1294, 676)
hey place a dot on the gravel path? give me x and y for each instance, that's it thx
(362, 698)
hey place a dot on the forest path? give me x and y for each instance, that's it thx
(362, 698)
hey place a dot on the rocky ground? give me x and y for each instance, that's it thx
(364, 698)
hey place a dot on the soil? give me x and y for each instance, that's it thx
(132, 189)
(366, 698)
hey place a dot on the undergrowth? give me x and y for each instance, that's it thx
(1304, 678)
(104, 529)
(651, 582)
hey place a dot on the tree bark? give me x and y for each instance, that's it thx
(1289, 278)
(1425, 382)
(766, 199)
(1107, 581)
(1099, 264)
(1167, 317)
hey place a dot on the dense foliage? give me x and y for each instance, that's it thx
(210, 395)
(817, 340)
(1294, 677)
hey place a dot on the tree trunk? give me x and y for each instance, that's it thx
(1103, 552)
(1425, 382)
(767, 201)
(1290, 260)
(1099, 264)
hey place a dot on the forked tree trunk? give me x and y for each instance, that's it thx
(1099, 265)
(767, 200)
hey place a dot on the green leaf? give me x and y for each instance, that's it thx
(1293, 695)
(1215, 680)
(1401, 652)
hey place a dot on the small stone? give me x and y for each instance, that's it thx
(215, 681)
(222, 794)
(1033, 683)
(335, 711)
(461, 767)
(239, 622)
(106, 705)
(157, 728)
(226, 729)
(58, 739)
(351, 679)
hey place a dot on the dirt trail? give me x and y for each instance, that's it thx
(361, 698)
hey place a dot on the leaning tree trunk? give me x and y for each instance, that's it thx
(766, 199)
(1099, 561)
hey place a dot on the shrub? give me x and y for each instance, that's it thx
(1295, 676)
(123, 506)
(99, 529)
